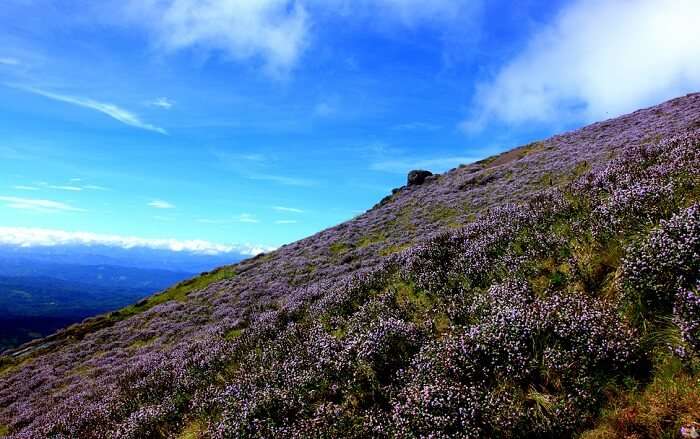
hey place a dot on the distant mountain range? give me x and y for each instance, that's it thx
(43, 289)
(17, 257)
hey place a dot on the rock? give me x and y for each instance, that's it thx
(417, 177)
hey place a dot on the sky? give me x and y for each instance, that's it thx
(217, 124)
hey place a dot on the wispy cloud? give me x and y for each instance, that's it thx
(416, 126)
(287, 209)
(160, 204)
(403, 165)
(21, 187)
(242, 218)
(286, 222)
(162, 103)
(253, 157)
(234, 158)
(38, 205)
(281, 179)
(9, 61)
(257, 166)
(247, 218)
(95, 187)
(30, 237)
(66, 188)
(598, 58)
(73, 186)
(110, 110)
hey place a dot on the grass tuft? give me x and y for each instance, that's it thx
(669, 402)
(194, 430)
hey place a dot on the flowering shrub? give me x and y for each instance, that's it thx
(492, 330)
(686, 314)
(387, 345)
(668, 259)
(586, 336)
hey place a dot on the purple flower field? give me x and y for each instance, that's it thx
(505, 298)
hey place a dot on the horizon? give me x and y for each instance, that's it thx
(249, 125)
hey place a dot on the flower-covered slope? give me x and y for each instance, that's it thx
(513, 297)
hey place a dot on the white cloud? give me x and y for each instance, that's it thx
(95, 187)
(276, 33)
(163, 103)
(66, 188)
(598, 58)
(256, 166)
(242, 218)
(253, 157)
(247, 218)
(9, 61)
(30, 237)
(286, 222)
(160, 204)
(416, 126)
(401, 166)
(73, 187)
(110, 110)
(281, 179)
(273, 31)
(234, 158)
(38, 205)
(20, 187)
(287, 209)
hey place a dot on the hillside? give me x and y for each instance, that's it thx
(32, 306)
(543, 292)
(44, 288)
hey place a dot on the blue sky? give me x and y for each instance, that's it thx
(263, 121)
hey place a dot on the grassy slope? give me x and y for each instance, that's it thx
(454, 200)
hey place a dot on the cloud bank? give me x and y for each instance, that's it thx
(597, 59)
(32, 237)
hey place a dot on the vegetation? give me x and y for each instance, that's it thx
(339, 248)
(577, 308)
(658, 409)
